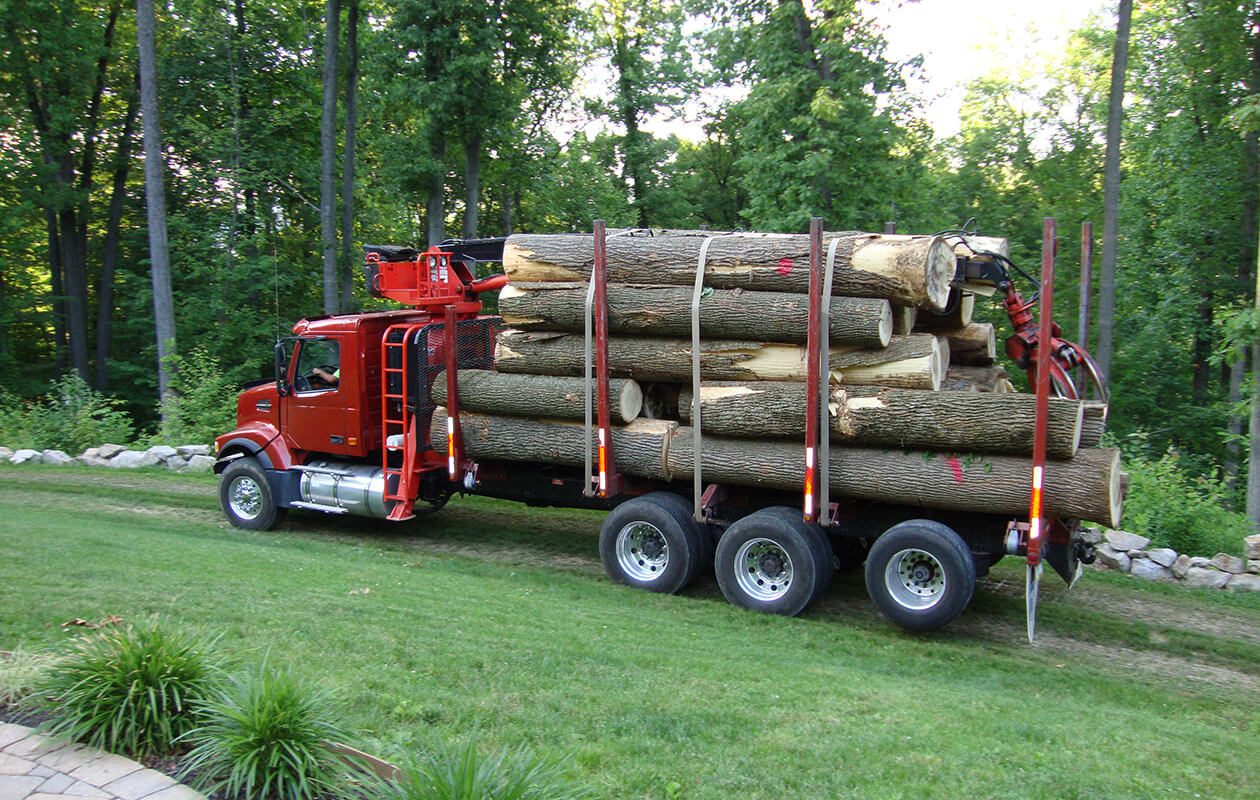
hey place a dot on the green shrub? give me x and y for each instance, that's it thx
(461, 773)
(20, 674)
(126, 689)
(71, 417)
(1177, 510)
(264, 736)
(203, 402)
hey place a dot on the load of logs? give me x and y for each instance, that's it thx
(920, 412)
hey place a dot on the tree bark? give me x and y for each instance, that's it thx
(328, 157)
(537, 396)
(958, 314)
(974, 379)
(972, 346)
(435, 212)
(904, 319)
(472, 184)
(347, 162)
(1111, 190)
(109, 259)
(666, 311)
(903, 418)
(56, 287)
(908, 270)
(913, 362)
(155, 197)
(1087, 487)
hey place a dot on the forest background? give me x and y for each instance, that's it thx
(294, 131)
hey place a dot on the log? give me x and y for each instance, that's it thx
(638, 447)
(957, 314)
(974, 246)
(1094, 425)
(909, 270)
(916, 362)
(539, 396)
(724, 313)
(972, 346)
(974, 379)
(904, 319)
(1087, 487)
(904, 418)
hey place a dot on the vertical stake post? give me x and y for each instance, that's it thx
(1082, 327)
(609, 480)
(454, 430)
(813, 381)
(1036, 533)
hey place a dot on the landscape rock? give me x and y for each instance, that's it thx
(131, 459)
(1205, 578)
(1227, 563)
(1109, 557)
(1251, 545)
(1138, 554)
(92, 461)
(1200, 561)
(110, 450)
(1124, 541)
(1180, 566)
(1090, 535)
(59, 457)
(177, 463)
(5, 452)
(1164, 556)
(200, 463)
(1253, 567)
(1244, 583)
(1147, 568)
(161, 451)
(190, 450)
(25, 456)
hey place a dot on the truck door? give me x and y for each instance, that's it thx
(316, 418)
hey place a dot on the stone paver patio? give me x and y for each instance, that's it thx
(33, 767)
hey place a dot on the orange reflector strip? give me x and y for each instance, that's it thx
(450, 447)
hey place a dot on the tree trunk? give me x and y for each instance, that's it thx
(1111, 191)
(912, 362)
(1087, 487)
(507, 212)
(957, 314)
(1094, 424)
(348, 259)
(974, 379)
(56, 286)
(472, 184)
(328, 157)
(972, 346)
(538, 396)
(109, 259)
(155, 197)
(666, 311)
(908, 270)
(436, 211)
(903, 418)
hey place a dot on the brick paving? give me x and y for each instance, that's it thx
(33, 767)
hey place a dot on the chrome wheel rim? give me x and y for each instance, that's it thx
(642, 552)
(915, 579)
(763, 569)
(245, 497)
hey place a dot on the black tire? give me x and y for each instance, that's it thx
(920, 574)
(245, 496)
(770, 562)
(820, 543)
(652, 543)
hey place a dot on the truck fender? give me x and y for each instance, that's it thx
(239, 448)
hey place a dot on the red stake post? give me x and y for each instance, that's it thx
(1036, 532)
(813, 379)
(609, 479)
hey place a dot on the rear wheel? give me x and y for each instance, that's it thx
(772, 562)
(651, 543)
(819, 542)
(245, 496)
(920, 574)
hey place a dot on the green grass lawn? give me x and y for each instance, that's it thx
(496, 618)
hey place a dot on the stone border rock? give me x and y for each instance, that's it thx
(184, 458)
(1132, 554)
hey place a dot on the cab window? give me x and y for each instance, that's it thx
(318, 366)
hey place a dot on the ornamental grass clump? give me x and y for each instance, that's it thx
(131, 689)
(446, 772)
(265, 735)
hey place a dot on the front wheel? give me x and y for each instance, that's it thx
(920, 574)
(245, 496)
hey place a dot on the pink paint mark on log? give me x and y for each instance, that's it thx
(956, 467)
(785, 266)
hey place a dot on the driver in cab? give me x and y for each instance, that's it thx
(329, 378)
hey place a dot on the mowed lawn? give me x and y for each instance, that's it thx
(495, 618)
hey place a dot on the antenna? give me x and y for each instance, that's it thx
(275, 286)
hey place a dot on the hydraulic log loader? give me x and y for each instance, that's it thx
(346, 428)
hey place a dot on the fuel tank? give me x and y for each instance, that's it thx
(350, 488)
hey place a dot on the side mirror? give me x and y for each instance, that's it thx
(282, 363)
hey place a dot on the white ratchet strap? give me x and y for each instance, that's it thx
(587, 489)
(696, 479)
(824, 374)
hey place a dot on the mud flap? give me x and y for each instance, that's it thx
(1064, 550)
